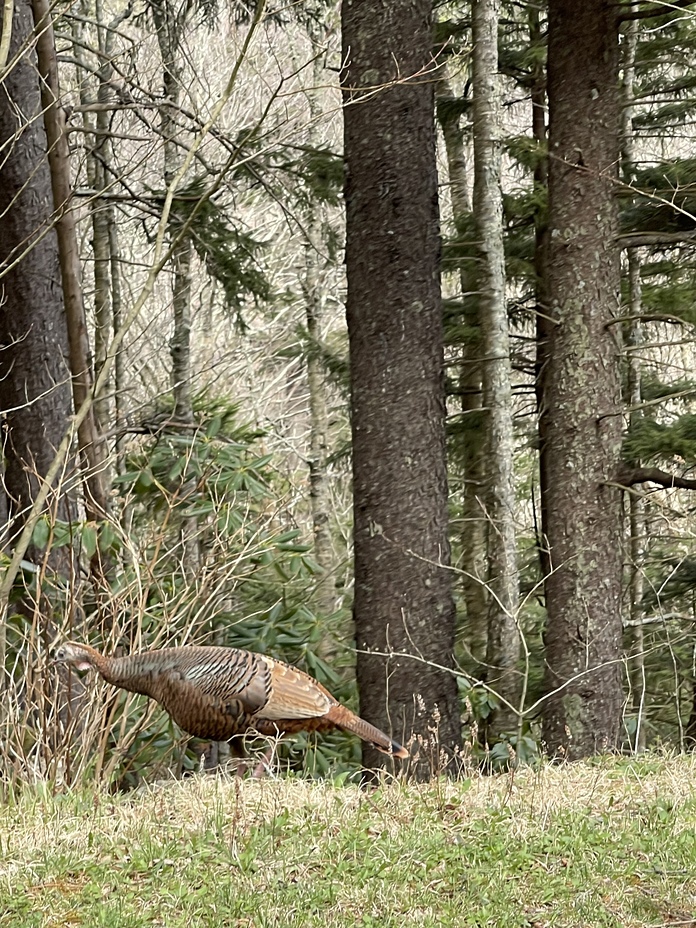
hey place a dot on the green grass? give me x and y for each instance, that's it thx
(609, 844)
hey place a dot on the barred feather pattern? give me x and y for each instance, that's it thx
(218, 693)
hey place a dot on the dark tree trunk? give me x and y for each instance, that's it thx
(35, 390)
(403, 600)
(34, 372)
(582, 437)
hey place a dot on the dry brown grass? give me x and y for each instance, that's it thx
(611, 843)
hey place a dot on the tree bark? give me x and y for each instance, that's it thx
(582, 441)
(90, 441)
(34, 367)
(314, 288)
(169, 32)
(473, 537)
(35, 394)
(403, 599)
(636, 504)
(503, 645)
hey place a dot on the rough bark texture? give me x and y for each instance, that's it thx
(35, 392)
(503, 644)
(581, 387)
(101, 173)
(403, 598)
(34, 370)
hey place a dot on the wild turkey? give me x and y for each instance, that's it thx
(217, 693)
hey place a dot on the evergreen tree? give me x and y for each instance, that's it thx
(581, 397)
(403, 600)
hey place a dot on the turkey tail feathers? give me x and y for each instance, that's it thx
(349, 721)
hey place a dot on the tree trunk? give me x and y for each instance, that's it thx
(320, 496)
(636, 503)
(582, 440)
(403, 599)
(34, 367)
(541, 246)
(314, 289)
(90, 441)
(503, 646)
(473, 537)
(35, 393)
(169, 32)
(103, 217)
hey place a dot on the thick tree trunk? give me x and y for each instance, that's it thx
(582, 439)
(35, 393)
(34, 366)
(503, 646)
(403, 600)
(473, 536)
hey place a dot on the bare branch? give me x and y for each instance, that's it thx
(627, 14)
(629, 477)
(640, 239)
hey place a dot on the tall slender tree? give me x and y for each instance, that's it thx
(468, 376)
(581, 399)
(503, 644)
(403, 600)
(92, 450)
(314, 293)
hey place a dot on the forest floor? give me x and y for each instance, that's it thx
(609, 843)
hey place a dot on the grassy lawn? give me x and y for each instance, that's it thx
(611, 843)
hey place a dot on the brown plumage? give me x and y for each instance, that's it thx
(217, 693)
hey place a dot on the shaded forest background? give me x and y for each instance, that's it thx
(192, 429)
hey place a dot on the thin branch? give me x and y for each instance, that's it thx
(651, 317)
(672, 7)
(641, 239)
(631, 476)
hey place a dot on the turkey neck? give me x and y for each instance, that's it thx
(137, 673)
